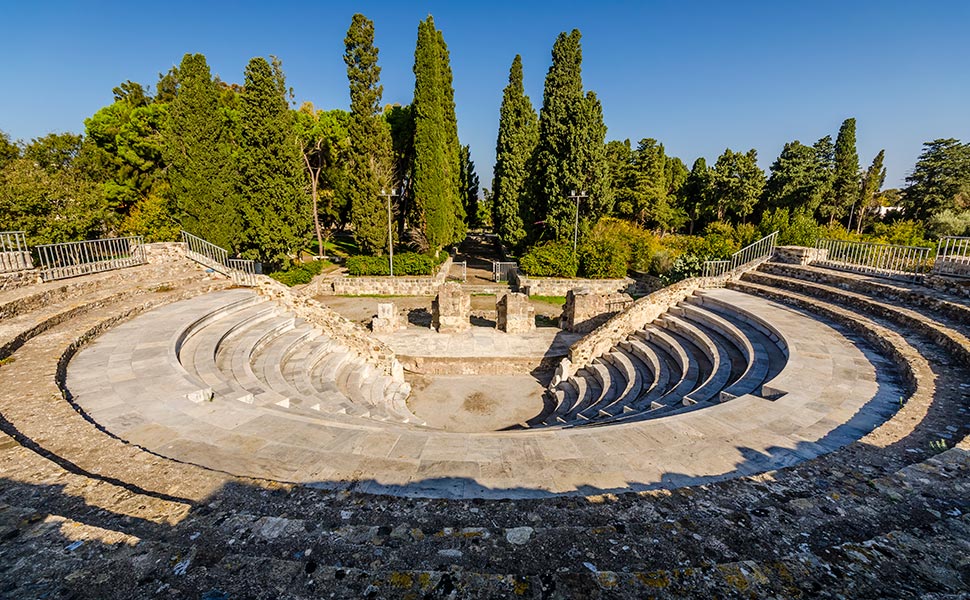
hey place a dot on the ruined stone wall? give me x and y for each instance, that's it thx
(586, 310)
(356, 338)
(554, 286)
(345, 285)
(950, 285)
(515, 314)
(798, 255)
(451, 309)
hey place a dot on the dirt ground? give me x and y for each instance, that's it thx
(469, 403)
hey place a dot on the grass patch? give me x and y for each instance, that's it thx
(342, 246)
(7, 361)
(557, 300)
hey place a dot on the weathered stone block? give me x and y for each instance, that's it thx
(387, 319)
(798, 255)
(515, 314)
(451, 309)
(585, 310)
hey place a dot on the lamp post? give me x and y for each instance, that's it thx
(573, 195)
(390, 233)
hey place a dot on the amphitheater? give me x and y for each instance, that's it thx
(780, 430)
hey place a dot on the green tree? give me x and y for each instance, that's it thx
(436, 167)
(518, 131)
(8, 150)
(401, 121)
(737, 184)
(199, 154)
(845, 175)
(571, 153)
(872, 181)
(697, 194)
(939, 181)
(370, 160)
(274, 203)
(469, 187)
(796, 182)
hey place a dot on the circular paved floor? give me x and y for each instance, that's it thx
(838, 390)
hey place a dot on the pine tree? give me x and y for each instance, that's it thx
(518, 131)
(276, 216)
(199, 156)
(795, 183)
(845, 178)
(371, 167)
(737, 184)
(436, 180)
(697, 193)
(570, 154)
(469, 187)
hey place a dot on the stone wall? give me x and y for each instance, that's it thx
(798, 255)
(345, 285)
(585, 310)
(164, 252)
(356, 338)
(555, 286)
(951, 285)
(9, 281)
(451, 309)
(515, 314)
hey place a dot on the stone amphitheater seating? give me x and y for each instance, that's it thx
(858, 503)
(704, 351)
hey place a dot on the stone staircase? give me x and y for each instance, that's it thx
(704, 351)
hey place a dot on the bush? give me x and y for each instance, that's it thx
(684, 266)
(551, 259)
(904, 233)
(604, 258)
(949, 222)
(798, 229)
(299, 273)
(406, 263)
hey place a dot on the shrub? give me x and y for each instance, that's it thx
(299, 273)
(405, 263)
(551, 259)
(684, 266)
(905, 233)
(604, 258)
(949, 222)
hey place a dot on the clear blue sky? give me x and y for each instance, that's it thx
(698, 76)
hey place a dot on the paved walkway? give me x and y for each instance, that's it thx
(834, 398)
(481, 342)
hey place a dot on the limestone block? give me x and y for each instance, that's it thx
(515, 314)
(451, 309)
(585, 310)
(387, 319)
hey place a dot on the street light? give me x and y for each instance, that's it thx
(390, 234)
(582, 195)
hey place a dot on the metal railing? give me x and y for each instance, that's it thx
(500, 270)
(72, 259)
(882, 260)
(14, 255)
(751, 253)
(207, 254)
(952, 257)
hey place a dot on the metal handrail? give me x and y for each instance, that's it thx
(501, 270)
(952, 256)
(751, 253)
(881, 260)
(72, 259)
(241, 271)
(14, 254)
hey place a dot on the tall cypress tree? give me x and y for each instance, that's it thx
(436, 180)
(845, 180)
(275, 210)
(518, 132)
(197, 149)
(371, 168)
(469, 187)
(570, 153)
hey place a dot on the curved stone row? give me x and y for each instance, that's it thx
(704, 351)
(887, 517)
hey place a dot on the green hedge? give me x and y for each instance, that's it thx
(300, 273)
(551, 259)
(407, 263)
